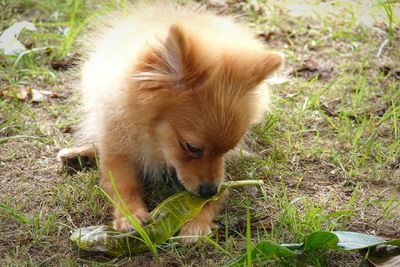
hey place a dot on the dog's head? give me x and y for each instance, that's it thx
(206, 98)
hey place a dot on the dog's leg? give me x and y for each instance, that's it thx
(77, 158)
(203, 223)
(128, 183)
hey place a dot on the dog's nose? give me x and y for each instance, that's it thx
(207, 190)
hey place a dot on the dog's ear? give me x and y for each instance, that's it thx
(177, 53)
(265, 65)
(173, 64)
(247, 69)
(258, 66)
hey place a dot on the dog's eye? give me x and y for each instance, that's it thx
(193, 150)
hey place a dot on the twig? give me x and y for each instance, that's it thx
(378, 55)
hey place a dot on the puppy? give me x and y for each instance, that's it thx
(172, 86)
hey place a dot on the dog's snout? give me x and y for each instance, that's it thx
(207, 190)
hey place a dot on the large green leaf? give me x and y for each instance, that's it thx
(336, 240)
(166, 220)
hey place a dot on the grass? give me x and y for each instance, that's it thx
(328, 151)
(123, 209)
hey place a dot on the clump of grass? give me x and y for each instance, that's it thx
(387, 6)
(121, 206)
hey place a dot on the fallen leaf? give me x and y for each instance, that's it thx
(328, 111)
(64, 63)
(390, 71)
(311, 68)
(266, 36)
(8, 39)
(166, 220)
(30, 94)
(334, 240)
(325, 107)
(384, 256)
(307, 67)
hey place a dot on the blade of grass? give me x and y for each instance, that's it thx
(248, 237)
(131, 219)
(15, 214)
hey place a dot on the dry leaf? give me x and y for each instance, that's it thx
(30, 94)
(390, 71)
(8, 39)
(64, 63)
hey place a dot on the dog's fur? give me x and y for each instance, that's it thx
(170, 86)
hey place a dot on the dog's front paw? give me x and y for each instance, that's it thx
(121, 224)
(76, 159)
(195, 229)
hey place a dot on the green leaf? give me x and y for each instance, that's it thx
(166, 220)
(336, 240)
(265, 249)
(320, 239)
(356, 241)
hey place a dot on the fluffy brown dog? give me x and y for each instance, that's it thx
(170, 86)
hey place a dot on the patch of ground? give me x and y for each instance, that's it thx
(328, 151)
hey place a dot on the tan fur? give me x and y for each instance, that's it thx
(160, 77)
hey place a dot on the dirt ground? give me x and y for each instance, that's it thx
(329, 151)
